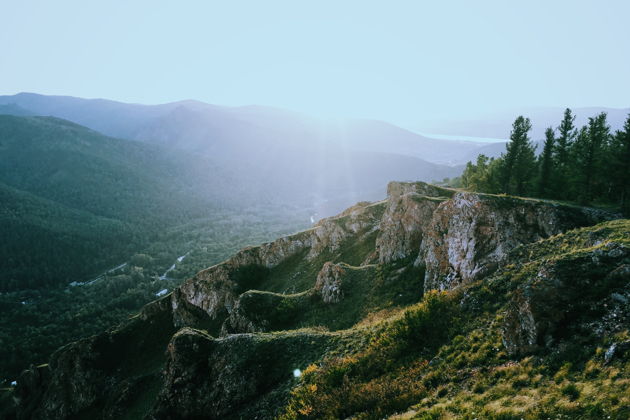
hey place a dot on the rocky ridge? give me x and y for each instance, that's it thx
(214, 365)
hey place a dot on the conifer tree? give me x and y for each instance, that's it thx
(588, 150)
(519, 161)
(620, 166)
(561, 155)
(545, 177)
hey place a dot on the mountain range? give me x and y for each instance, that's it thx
(202, 127)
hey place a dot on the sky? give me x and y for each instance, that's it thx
(399, 61)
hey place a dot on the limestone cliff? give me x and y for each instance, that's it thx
(410, 208)
(470, 234)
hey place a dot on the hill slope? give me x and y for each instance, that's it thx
(345, 320)
(75, 201)
(43, 241)
(83, 169)
(217, 130)
(252, 165)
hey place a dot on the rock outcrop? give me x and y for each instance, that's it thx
(470, 234)
(329, 282)
(216, 289)
(539, 308)
(240, 376)
(410, 208)
(111, 366)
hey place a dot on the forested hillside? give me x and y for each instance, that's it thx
(77, 201)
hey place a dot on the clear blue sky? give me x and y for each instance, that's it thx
(401, 61)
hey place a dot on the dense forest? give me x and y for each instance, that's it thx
(588, 165)
(37, 321)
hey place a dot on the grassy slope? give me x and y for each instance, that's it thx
(444, 358)
(366, 290)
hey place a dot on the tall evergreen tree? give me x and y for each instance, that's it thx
(519, 161)
(545, 176)
(620, 166)
(561, 155)
(588, 151)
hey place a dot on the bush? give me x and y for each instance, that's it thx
(571, 391)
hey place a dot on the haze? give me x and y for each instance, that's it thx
(405, 62)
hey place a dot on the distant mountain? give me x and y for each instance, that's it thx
(499, 125)
(270, 154)
(229, 131)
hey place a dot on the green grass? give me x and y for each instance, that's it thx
(366, 290)
(444, 358)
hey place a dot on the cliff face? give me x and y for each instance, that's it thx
(372, 258)
(409, 211)
(469, 235)
(238, 376)
(552, 304)
(121, 364)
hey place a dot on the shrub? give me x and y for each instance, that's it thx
(571, 391)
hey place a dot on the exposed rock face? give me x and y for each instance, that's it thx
(538, 308)
(471, 234)
(409, 211)
(211, 290)
(239, 376)
(329, 234)
(329, 282)
(82, 374)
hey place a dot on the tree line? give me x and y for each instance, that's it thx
(587, 165)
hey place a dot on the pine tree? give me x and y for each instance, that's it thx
(620, 166)
(561, 155)
(545, 176)
(588, 149)
(519, 161)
